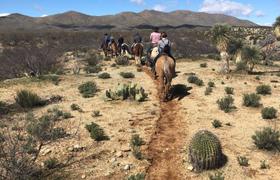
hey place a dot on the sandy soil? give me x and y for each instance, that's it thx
(165, 127)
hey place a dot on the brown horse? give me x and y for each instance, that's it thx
(165, 70)
(114, 48)
(105, 48)
(137, 52)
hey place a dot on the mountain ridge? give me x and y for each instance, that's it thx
(121, 20)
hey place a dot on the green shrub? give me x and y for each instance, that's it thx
(51, 163)
(229, 90)
(88, 89)
(264, 165)
(127, 75)
(67, 115)
(241, 67)
(263, 89)
(243, 161)
(203, 65)
(93, 69)
(104, 75)
(139, 176)
(55, 79)
(226, 103)
(211, 84)
(57, 114)
(4, 108)
(94, 60)
(136, 140)
(251, 100)
(216, 123)
(96, 132)
(258, 78)
(208, 91)
(28, 99)
(122, 61)
(76, 107)
(96, 114)
(267, 139)
(57, 133)
(216, 176)
(195, 80)
(137, 153)
(269, 113)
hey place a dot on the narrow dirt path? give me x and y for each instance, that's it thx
(166, 146)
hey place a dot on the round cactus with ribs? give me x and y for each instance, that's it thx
(205, 151)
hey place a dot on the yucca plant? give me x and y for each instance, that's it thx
(276, 26)
(251, 56)
(221, 37)
(235, 48)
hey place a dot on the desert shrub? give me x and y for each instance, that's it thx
(58, 113)
(94, 60)
(93, 69)
(16, 62)
(104, 75)
(195, 80)
(263, 89)
(267, 139)
(241, 66)
(4, 108)
(251, 100)
(264, 165)
(211, 84)
(269, 113)
(139, 176)
(51, 163)
(243, 161)
(55, 79)
(127, 91)
(216, 57)
(136, 140)
(203, 65)
(28, 99)
(67, 115)
(122, 61)
(208, 91)
(136, 151)
(258, 78)
(96, 114)
(229, 90)
(96, 132)
(88, 89)
(127, 75)
(216, 176)
(226, 103)
(43, 128)
(216, 123)
(76, 107)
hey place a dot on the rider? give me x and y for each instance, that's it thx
(136, 39)
(105, 40)
(164, 46)
(154, 38)
(120, 43)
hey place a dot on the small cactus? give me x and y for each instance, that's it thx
(205, 151)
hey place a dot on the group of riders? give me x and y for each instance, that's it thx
(159, 45)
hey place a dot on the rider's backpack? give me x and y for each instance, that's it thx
(166, 48)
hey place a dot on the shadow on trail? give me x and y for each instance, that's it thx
(180, 91)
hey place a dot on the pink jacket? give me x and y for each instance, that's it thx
(155, 37)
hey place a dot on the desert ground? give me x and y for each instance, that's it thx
(165, 127)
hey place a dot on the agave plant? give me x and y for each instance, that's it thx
(221, 37)
(251, 55)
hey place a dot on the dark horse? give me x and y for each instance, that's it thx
(137, 52)
(124, 49)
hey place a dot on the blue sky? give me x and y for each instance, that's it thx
(263, 12)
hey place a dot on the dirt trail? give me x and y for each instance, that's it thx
(167, 143)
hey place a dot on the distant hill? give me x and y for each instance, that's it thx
(125, 20)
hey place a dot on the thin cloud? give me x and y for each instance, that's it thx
(139, 2)
(226, 7)
(159, 7)
(44, 15)
(260, 14)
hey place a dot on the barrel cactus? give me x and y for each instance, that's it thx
(205, 151)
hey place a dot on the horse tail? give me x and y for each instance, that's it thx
(166, 70)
